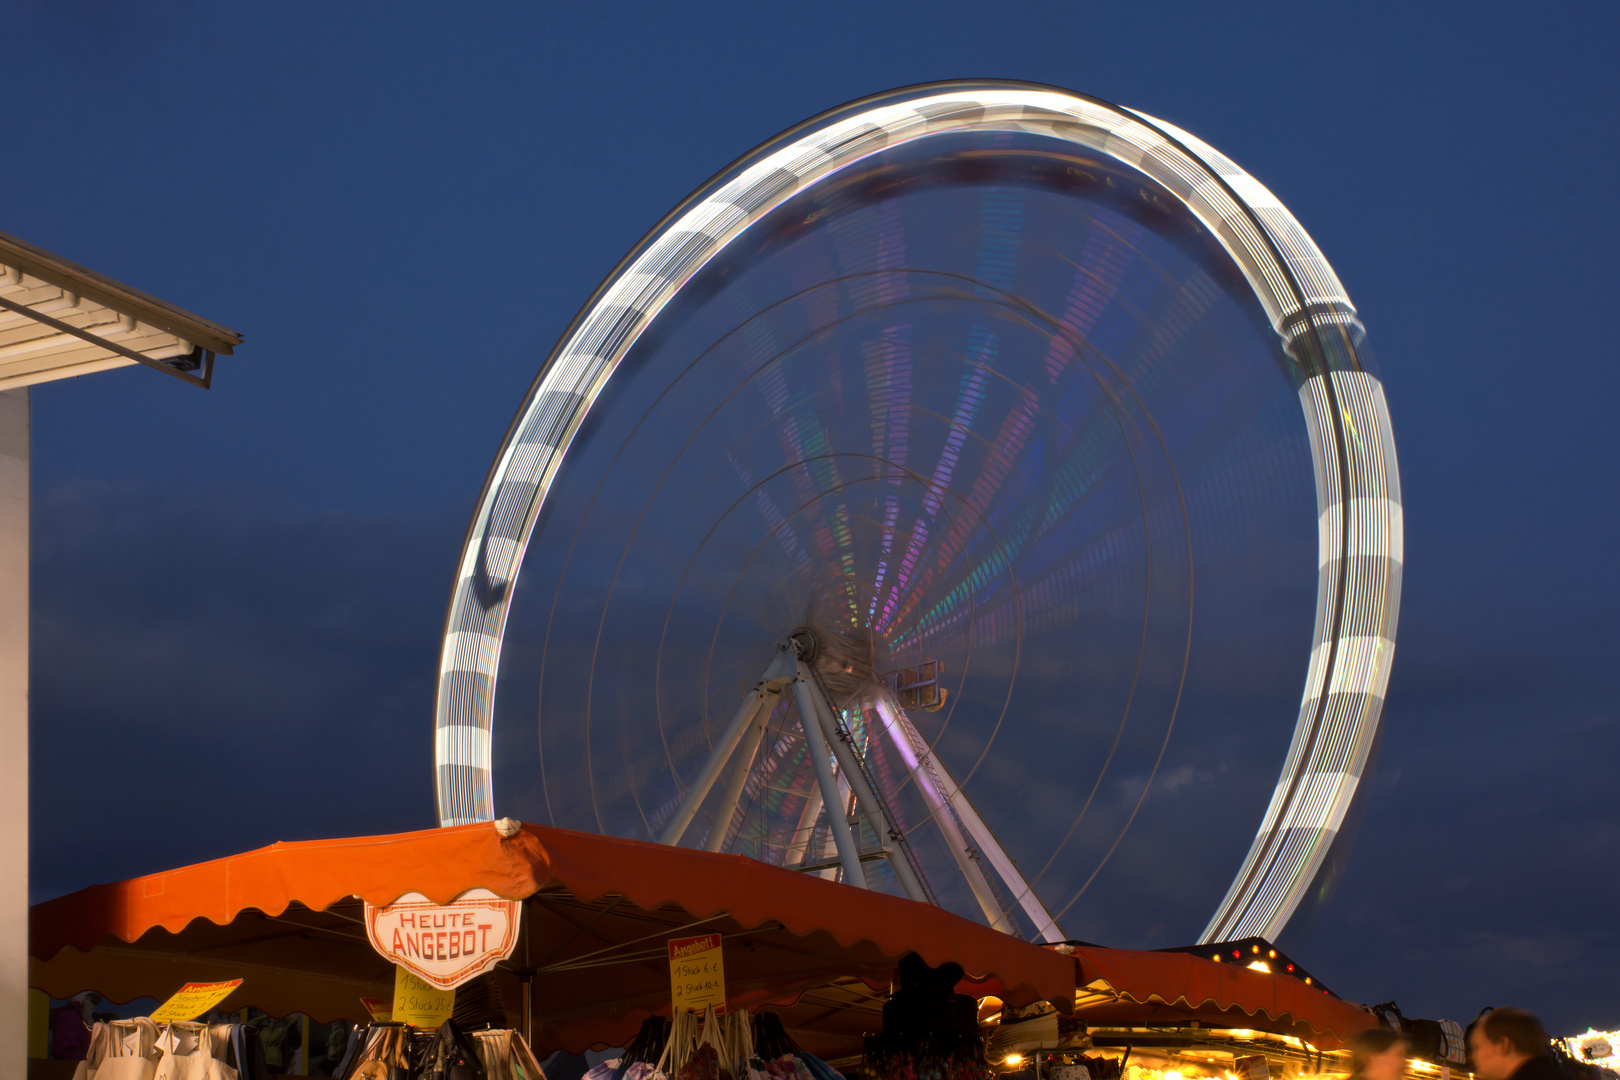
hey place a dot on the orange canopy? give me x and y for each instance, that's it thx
(1125, 987)
(286, 918)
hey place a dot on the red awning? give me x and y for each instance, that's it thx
(1130, 987)
(284, 917)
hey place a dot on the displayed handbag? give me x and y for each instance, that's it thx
(194, 1051)
(390, 1050)
(451, 1056)
(120, 1050)
(506, 1056)
(247, 1053)
(351, 1051)
(384, 1053)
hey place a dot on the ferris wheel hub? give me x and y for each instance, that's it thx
(807, 643)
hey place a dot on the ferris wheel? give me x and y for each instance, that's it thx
(928, 502)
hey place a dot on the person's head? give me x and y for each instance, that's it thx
(1378, 1054)
(86, 1001)
(1503, 1040)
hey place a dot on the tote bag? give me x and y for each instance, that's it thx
(120, 1050)
(192, 1052)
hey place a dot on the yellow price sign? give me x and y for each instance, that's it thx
(697, 974)
(192, 1000)
(418, 1002)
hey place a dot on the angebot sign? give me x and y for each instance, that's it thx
(444, 945)
(697, 974)
(192, 1000)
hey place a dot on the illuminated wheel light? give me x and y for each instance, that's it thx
(1358, 487)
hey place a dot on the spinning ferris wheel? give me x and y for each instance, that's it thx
(948, 497)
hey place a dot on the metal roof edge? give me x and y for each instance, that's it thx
(66, 274)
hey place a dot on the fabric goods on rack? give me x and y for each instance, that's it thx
(120, 1050)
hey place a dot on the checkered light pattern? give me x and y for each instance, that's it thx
(1293, 282)
(1358, 495)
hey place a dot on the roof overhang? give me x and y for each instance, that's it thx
(59, 320)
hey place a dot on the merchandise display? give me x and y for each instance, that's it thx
(140, 1049)
(386, 1050)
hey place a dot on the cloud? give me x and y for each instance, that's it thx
(1486, 876)
(216, 670)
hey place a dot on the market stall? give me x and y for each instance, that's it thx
(589, 964)
(1174, 1016)
(1122, 987)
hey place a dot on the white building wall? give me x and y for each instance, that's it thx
(14, 483)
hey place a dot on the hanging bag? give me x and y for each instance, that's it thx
(190, 1052)
(247, 1054)
(452, 1056)
(680, 1044)
(384, 1053)
(120, 1050)
(95, 1053)
(507, 1057)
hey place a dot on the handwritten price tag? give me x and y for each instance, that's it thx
(697, 974)
(420, 1003)
(192, 1000)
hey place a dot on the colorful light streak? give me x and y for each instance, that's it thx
(957, 555)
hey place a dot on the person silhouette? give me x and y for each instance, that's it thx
(1378, 1054)
(1511, 1044)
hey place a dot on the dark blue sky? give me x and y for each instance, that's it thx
(238, 593)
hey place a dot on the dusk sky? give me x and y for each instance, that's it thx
(238, 594)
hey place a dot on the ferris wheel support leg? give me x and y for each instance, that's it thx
(759, 699)
(809, 720)
(742, 765)
(1045, 926)
(799, 846)
(864, 796)
(937, 801)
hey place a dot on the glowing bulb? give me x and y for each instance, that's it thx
(1172, 1076)
(1260, 965)
(1307, 980)
(1013, 1059)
